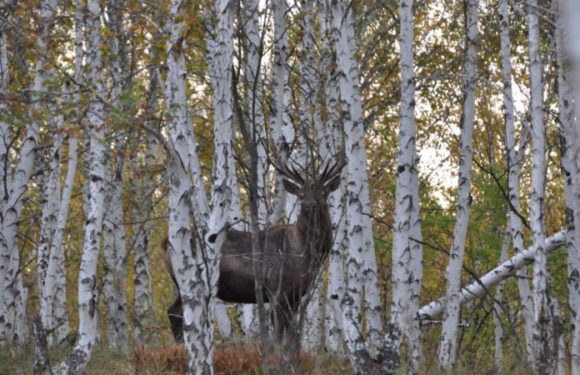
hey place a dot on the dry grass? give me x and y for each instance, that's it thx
(229, 359)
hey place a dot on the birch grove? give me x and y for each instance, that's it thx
(157, 160)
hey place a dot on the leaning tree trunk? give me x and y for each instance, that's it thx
(407, 252)
(480, 287)
(448, 342)
(87, 292)
(542, 315)
(514, 166)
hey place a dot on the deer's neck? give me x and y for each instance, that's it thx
(315, 230)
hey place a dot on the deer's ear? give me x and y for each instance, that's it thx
(291, 187)
(333, 184)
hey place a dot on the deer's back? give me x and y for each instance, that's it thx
(285, 265)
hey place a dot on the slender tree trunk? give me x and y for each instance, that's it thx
(47, 232)
(498, 355)
(514, 165)
(330, 142)
(15, 188)
(571, 13)
(87, 294)
(407, 256)
(115, 256)
(568, 150)
(254, 89)
(55, 284)
(448, 342)
(186, 194)
(361, 261)
(280, 122)
(542, 315)
(145, 192)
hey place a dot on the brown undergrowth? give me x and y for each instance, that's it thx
(229, 359)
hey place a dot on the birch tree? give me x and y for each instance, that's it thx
(329, 141)
(186, 194)
(479, 288)
(15, 181)
(568, 150)
(498, 296)
(361, 262)
(541, 276)
(255, 94)
(281, 126)
(448, 342)
(87, 292)
(115, 254)
(407, 252)
(570, 20)
(144, 209)
(54, 288)
(514, 168)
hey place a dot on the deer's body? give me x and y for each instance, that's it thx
(292, 255)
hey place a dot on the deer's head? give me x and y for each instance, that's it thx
(312, 188)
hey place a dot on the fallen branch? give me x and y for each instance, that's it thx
(508, 268)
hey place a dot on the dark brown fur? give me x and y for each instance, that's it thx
(292, 254)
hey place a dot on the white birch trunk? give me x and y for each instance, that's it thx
(361, 261)
(87, 292)
(329, 144)
(115, 254)
(569, 148)
(480, 287)
(498, 331)
(20, 326)
(407, 256)
(514, 167)
(537, 217)
(145, 192)
(48, 228)
(448, 342)
(253, 82)
(280, 122)
(186, 194)
(308, 118)
(55, 283)
(221, 50)
(571, 11)
(11, 204)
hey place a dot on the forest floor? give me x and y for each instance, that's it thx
(238, 358)
(229, 359)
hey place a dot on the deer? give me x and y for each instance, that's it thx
(293, 254)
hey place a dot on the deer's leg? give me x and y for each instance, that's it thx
(175, 314)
